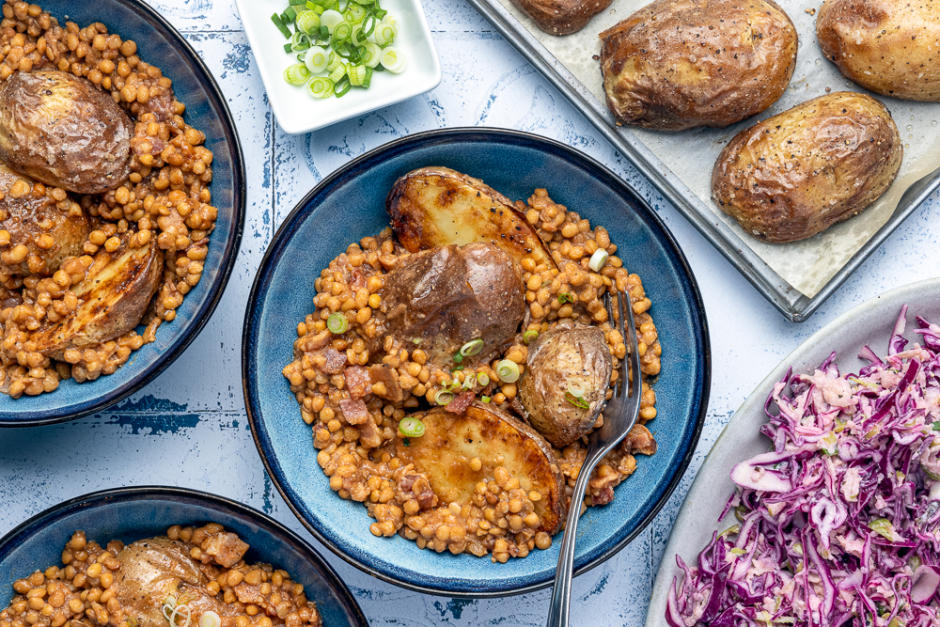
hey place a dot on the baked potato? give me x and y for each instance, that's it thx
(49, 229)
(441, 299)
(891, 47)
(438, 206)
(494, 437)
(561, 17)
(798, 173)
(680, 64)
(62, 130)
(561, 360)
(112, 299)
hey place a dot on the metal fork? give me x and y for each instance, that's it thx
(620, 414)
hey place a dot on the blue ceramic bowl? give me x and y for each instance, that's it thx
(130, 514)
(349, 205)
(206, 109)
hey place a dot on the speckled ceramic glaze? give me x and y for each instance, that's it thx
(130, 514)
(350, 205)
(206, 110)
(870, 323)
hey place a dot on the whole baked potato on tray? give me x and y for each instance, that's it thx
(672, 83)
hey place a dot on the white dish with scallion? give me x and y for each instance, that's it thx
(324, 61)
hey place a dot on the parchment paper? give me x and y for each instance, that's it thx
(807, 265)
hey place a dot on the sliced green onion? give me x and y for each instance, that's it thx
(471, 348)
(456, 368)
(316, 60)
(458, 358)
(341, 88)
(354, 14)
(372, 55)
(308, 22)
(338, 73)
(289, 15)
(342, 32)
(331, 19)
(334, 62)
(411, 427)
(483, 379)
(297, 74)
(210, 619)
(529, 336)
(368, 25)
(288, 48)
(565, 297)
(357, 74)
(299, 42)
(577, 402)
(316, 8)
(507, 371)
(384, 34)
(469, 382)
(280, 25)
(392, 60)
(577, 389)
(337, 322)
(295, 3)
(443, 397)
(485, 399)
(368, 79)
(598, 259)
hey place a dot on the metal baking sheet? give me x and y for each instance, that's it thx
(797, 278)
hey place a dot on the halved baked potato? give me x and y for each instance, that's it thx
(561, 17)
(801, 171)
(60, 129)
(891, 47)
(494, 437)
(437, 206)
(112, 299)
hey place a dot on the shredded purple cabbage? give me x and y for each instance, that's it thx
(840, 523)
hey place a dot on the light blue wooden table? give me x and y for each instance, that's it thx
(188, 428)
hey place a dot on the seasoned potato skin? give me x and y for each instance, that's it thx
(557, 358)
(561, 17)
(891, 47)
(448, 296)
(798, 173)
(680, 64)
(28, 216)
(437, 206)
(62, 130)
(451, 440)
(112, 299)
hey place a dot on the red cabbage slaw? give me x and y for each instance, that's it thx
(840, 523)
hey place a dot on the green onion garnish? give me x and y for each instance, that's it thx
(507, 371)
(354, 13)
(598, 259)
(341, 88)
(280, 25)
(485, 399)
(529, 336)
(316, 60)
(308, 22)
(289, 15)
(483, 379)
(297, 74)
(338, 73)
(458, 358)
(443, 397)
(392, 60)
(565, 297)
(337, 323)
(469, 382)
(471, 348)
(411, 427)
(577, 402)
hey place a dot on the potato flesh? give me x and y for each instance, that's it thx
(434, 207)
(450, 441)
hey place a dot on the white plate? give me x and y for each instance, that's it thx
(296, 111)
(870, 323)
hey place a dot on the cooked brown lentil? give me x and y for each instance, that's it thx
(79, 593)
(166, 197)
(356, 458)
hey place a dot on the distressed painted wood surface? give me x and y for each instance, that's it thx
(188, 427)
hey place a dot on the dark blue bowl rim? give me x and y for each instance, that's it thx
(229, 255)
(446, 136)
(144, 492)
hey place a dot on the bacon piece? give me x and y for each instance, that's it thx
(369, 434)
(416, 486)
(358, 381)
(354, 411)
(226, 548)
(335, 361)
(639, 440)
(312, 343)
(383, 374)
(460, 404)
(357, 279)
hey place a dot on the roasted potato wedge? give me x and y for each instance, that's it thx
(50, 230)
(561, 17)
(451, 440)
(441, 299)
(680, 64)
(433, 207)
(112, 299)
(801, 171)
(60, 129)
(562, 359)
(891, 47)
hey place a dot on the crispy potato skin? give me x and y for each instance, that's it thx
(798, 173)
(561, 17)
(437, 206)
(557, 358)
(680, 64)
(62, 130)
(891, 47)
(451, 440)
(113, 298)
(451, 295)
(28, 216)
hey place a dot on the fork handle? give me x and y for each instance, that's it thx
(560, 608)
